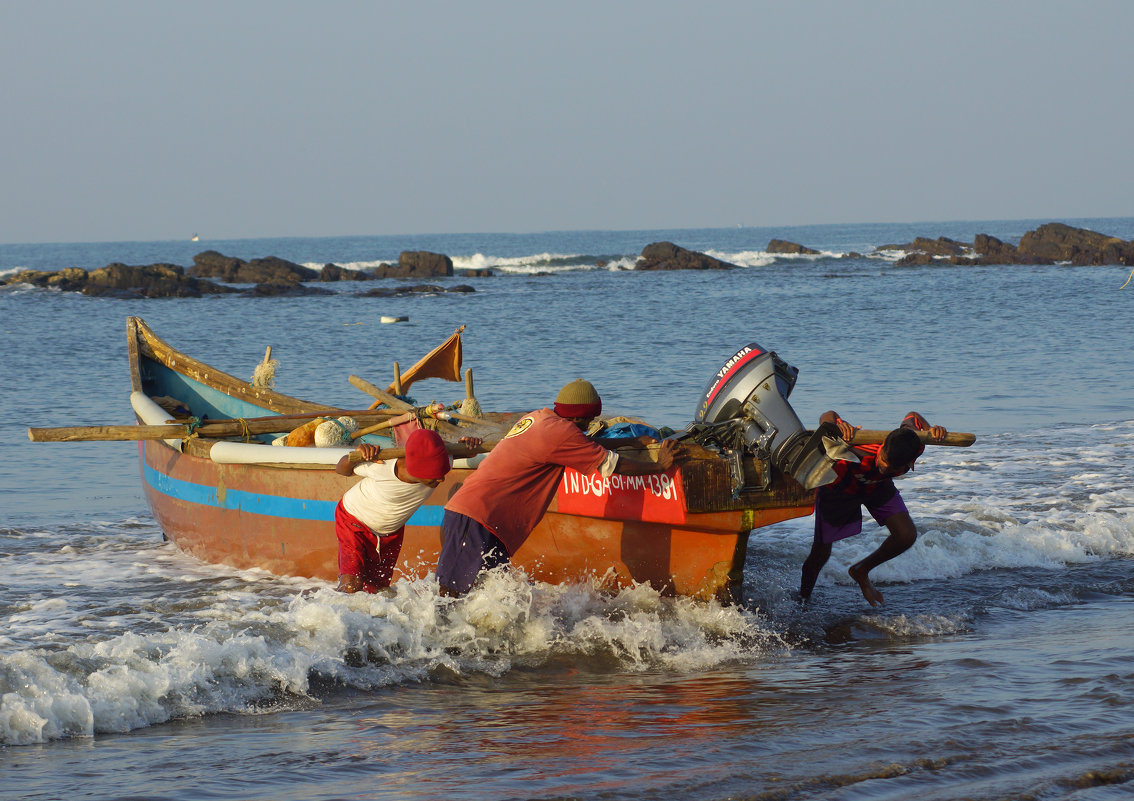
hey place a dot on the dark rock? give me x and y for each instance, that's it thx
(790, 248)
(915, 260)
(417, 264)
(123, 281)
(668, 256)
(285, 289)
(270, 270)
(333, 272)
(122, 276)
(942, 246)
(990, 250)
(148, 281)
(417, 289)
(422, 263)
(210, 264)
(1056, 242)
(117, 293)
(475, 272)
(72, 279)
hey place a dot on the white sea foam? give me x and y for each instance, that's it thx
(533, 263)
(245, 650)
(351, 265)
(762, 258)
(520, 265)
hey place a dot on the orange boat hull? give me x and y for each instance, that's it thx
(281, 519)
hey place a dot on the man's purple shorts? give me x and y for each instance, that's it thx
(467, 547)
(827, 533)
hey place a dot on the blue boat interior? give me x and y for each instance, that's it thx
(204, 402)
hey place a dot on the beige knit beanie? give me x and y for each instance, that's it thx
(578, 399)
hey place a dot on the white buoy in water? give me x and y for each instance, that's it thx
(394, 319)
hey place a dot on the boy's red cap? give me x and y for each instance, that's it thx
(426, 456)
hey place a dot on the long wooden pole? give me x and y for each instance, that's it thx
(381, 394)
(211, 428)
(455, 449)
(954, 438)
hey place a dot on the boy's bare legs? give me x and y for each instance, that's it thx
(903, 534)
(818, 557)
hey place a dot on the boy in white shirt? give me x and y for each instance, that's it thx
(370, 519)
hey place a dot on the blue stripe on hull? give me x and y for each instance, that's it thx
(271, 505)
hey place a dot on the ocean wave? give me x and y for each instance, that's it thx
(244, 651)
(543, 262)
(6, 273)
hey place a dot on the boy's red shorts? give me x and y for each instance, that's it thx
(364, 554)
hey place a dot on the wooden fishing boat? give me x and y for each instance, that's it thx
(250, 504)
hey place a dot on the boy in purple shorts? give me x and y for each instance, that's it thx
(869, 483)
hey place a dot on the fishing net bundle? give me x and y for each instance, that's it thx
(265, 373)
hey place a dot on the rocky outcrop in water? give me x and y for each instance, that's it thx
(272, 277)
(333, 272)
(1078, 246)
(287, 289)
(417, 289)
(942, 246)
(1051, 243)
(212, 272)
(790, 248)
(124, 281)
(417, 264)
(231, 270)
(668, 256)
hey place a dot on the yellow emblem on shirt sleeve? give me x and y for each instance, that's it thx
(522, 425)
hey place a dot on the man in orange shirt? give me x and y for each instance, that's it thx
(497, 507)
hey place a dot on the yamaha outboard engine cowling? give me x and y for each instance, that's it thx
(745, 407)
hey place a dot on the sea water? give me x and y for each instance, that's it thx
(1000, 665)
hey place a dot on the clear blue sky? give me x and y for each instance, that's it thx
(154, 120)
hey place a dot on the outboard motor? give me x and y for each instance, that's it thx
(745, 409)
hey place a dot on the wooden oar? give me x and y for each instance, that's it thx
(388, 423)
(395, 402)
(382, 395)
(216, 429)
(954, 438)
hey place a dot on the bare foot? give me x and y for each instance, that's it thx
(869, 591)
(349, 583)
